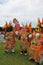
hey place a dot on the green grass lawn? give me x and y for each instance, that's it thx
(13, 59)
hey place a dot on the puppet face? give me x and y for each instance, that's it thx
(38, 30)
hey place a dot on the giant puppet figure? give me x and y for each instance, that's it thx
(10, 40)
(23, 40)
(36, 47)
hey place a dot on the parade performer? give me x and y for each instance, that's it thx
(10, 41)
(23, 41)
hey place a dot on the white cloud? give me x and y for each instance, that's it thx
(23, 10)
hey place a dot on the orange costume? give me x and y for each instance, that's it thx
(23, 41)
(10, 41)
(36, 47)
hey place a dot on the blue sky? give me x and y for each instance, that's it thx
(24, 10)
(3, 1)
